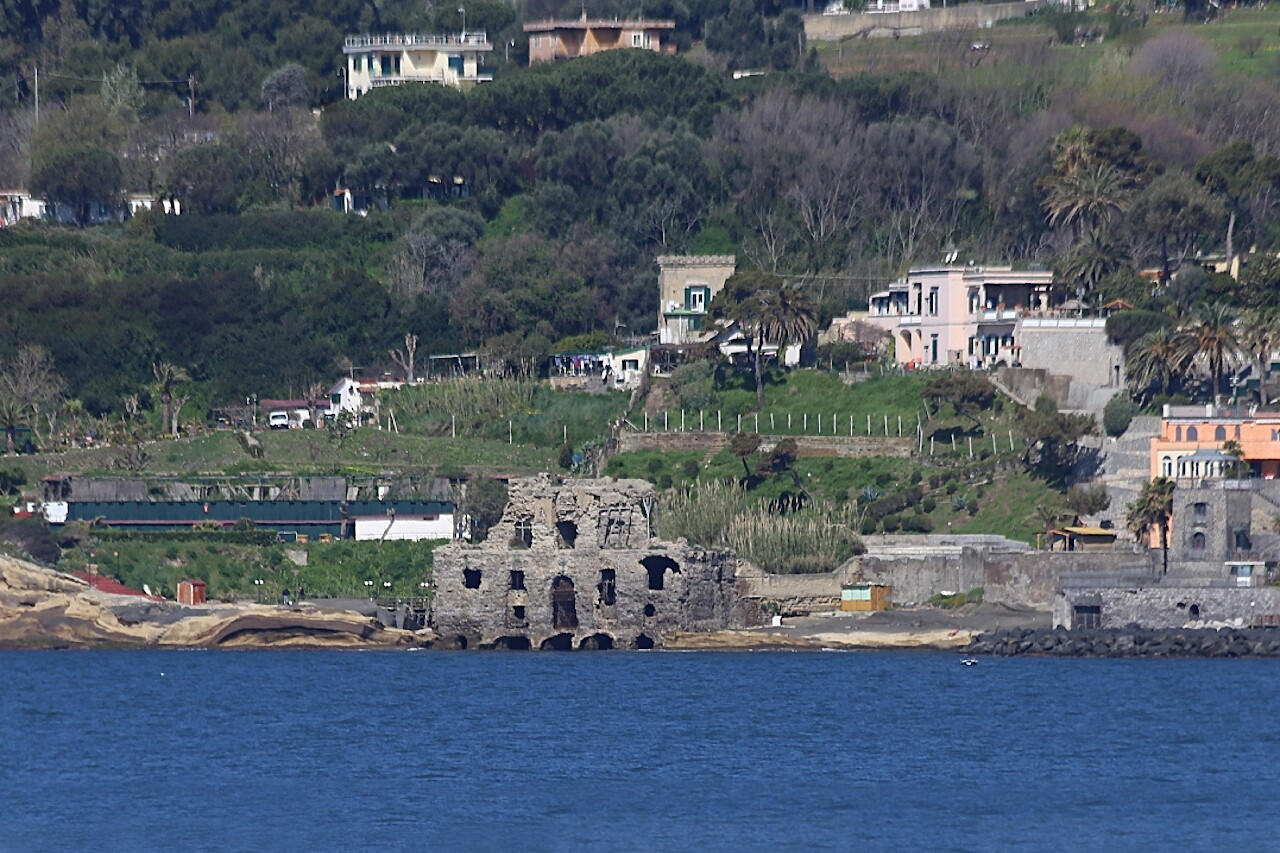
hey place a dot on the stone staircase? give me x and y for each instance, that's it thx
(1124, 464)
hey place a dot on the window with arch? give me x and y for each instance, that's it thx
(1220, 433)
(1192, 434)
(1177, 434)
(1197, 541)
(1166, 466)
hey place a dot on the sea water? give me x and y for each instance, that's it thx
(319, 751)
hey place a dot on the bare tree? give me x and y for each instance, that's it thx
(405, 359)
(29, 385)
(1181, 61)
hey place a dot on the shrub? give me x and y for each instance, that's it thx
(655, 465)
(891, 523)
(1118, 414)
(690, 468)
(917, 523)
(929, 504)
(664, 482)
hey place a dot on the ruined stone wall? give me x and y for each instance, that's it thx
(915, 578)
(575, 565)
(477, 598)
(807, 445)
(877, 25)
(1030, 579)
(1168, 606)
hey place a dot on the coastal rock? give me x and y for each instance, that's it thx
(43, 608)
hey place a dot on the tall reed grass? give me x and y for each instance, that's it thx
(718, 514)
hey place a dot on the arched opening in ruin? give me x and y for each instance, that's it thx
(567, 532)
(644, 642)
(1194, 612)
(650, 610)
(513, 644)
(558, 643)
(657, 565)
(460, 642)
(471, 578)
(596, 642)
(564, 605)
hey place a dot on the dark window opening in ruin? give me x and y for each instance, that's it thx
(460, 642)
(1182, 605)
(513, 644)
(608, 587)
(1199, 511)
(568, 533)
(650, 610)
(564, 605)
(1194, 612)
(597, 642)
(1243, 542)
(518, 613)
(523, 537)
(1197, 542)
(1088, 616)
(517, 579)
(644, 642)
(558, 643)
(656, 567)
(471, 578)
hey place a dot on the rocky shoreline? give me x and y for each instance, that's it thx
(1131, 642)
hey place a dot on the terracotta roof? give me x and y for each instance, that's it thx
(102, 583)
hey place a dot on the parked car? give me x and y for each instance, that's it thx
(278, 420)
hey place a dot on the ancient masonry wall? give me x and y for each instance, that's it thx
(576, 565)
(874, 25)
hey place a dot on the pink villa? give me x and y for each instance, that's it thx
(959, 315)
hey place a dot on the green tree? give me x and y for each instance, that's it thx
(1053, 438)
(167, 375)
(78, 176)
(1235, 173)
(966, 391)
(743, 445)
(1157, 361)
(484, 501)
(1089, 197)
(1177, 211)
(1213, 337)
(210, 178)
(738, 305)
(787, 318)
(1153, 507)
(1088, 500)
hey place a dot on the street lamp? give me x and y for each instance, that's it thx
(368, 587)
(258, 582)
(463, 10)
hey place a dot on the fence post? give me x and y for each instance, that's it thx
(970, 447)
(510, 434)
(665, 427)
(886, 425)
(646, 421)
(868, 424)
(899, 426)
(834, 427)
(719, 421)
(682, 420)
(771, 426)
(739, 421)
(757, 422)
(850, 426)
(953, 442)
(930, 445)
(994, 449)
(805, 427)
(1010, 441)
(701, 428)
(453, 425)
(819, 420)
(788, 422)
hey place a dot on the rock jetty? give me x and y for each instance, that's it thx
(1131, 642)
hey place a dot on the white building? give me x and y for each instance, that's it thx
(394, 59)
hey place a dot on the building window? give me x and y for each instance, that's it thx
(933, 302)
(637, 40)
(1220, 433)
(357, 63)
(695, 298)
(631, 364)
(1197, 541)
(1166, 466)
(1087, 617)
(517, 579)
(1200, 512)
(1193, 434)
(1177, 434)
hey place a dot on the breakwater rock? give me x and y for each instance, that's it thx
(1131, 642)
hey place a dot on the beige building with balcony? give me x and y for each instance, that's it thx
(374, 61)
(686, 286)
(552, 40)
(959, 315)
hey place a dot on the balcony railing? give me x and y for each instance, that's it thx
(475, 41)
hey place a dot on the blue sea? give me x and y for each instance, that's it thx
(321, 751)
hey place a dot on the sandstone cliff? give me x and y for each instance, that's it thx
(42, 608)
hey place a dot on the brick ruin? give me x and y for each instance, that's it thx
(577, 565)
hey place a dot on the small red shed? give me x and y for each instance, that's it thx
(191, 591)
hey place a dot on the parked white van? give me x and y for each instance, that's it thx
(278, 420)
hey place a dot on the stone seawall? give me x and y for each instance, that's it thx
(881, 24)
(1135, 642)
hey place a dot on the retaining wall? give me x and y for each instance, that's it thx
(876, 25)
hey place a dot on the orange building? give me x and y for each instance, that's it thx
(191, 591)
(552, 40)
(1190, 435)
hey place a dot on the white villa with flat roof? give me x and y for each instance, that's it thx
(394, 59)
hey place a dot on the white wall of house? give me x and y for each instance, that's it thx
(404, 527)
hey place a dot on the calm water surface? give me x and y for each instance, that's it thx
(340, 751)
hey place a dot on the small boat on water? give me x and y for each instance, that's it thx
(970, 661)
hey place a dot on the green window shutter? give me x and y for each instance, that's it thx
(688, 298)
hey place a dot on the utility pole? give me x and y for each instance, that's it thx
(36, 69)
(191, 96)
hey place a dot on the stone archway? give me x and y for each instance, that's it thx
(564, 605)
(557, 643)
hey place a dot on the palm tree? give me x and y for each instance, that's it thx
(1259, 338)
(1094, 258)
(1157, 360)
(1213, 336)
(167, 375)
(787, 317)
(1088, 196)
(1152, 507)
